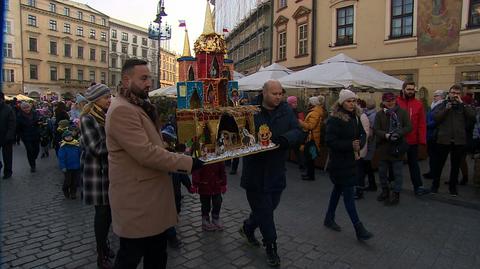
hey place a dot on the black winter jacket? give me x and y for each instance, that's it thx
(29, 127)
(342, 129)
(7, 124)
(265, 172)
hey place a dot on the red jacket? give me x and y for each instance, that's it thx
(210, 179)
(415, 111)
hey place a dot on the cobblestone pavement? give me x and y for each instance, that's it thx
(40, 229)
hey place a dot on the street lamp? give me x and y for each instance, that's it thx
(160, 13)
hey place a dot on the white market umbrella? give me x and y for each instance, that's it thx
(256, 80)
(165, 91)
(237, 75)
(341, 71)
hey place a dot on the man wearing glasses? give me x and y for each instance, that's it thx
(452, 117)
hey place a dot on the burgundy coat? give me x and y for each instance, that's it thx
(210, 179)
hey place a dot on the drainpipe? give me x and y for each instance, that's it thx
(314, 32)
(271, 30)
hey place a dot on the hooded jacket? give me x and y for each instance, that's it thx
(342, 129)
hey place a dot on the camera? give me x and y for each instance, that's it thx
(453, 102)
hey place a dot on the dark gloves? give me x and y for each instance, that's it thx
(197, 164)
(281, 141)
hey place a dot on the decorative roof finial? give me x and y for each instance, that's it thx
(208, 24)
(186, 46)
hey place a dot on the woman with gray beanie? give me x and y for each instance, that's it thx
(95, 167)
(345, 136)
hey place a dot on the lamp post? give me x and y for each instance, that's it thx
(160, 13)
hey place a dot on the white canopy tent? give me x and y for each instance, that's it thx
(255, 81)
(237, 75)
(341, 71)
(165, 91)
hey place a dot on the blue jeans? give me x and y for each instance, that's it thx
(397, 174)
(347, 200)
(262, 205)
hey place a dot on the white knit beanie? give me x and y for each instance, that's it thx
(345, 95)
(313, 101)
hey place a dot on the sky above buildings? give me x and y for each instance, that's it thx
(142, 12)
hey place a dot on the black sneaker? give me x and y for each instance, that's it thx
(251, 240)
(233, 172)
(7, 176)
(421, 191)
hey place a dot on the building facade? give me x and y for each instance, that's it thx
(294, 35)
(434, 43)
(12, 75)
(131, 41)
(126, 41)
(250, 42)
(65, 46)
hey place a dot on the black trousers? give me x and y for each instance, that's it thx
(153, 249)
(71, 180)
(7, 154)
(103, 220)
(365, 168)
(310, 165)
(413, 167)
(432, 154)
(263, 204)
(211, 202)
(33, 148)
(456, 155)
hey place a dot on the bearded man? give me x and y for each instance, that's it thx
(418, 136)
(140, 191)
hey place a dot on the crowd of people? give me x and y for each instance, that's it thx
(117, 155)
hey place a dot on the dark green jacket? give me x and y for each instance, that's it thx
(381, 128)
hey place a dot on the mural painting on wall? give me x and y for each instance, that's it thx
(438, 26)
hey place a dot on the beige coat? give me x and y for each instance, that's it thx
(141, 191)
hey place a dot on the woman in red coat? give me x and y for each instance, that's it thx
(210, 182)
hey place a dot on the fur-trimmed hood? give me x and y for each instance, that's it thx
(338, 112)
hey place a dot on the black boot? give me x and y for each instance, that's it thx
(362, 233)
(250, 236)
(103, 261)
(331, 224)
(384, 195)
(394, 199)
(272, 257)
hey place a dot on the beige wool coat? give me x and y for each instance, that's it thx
(141, 192)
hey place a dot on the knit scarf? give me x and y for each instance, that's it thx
(143, 103)
(394, 121)
(95, 111)
(73, 142)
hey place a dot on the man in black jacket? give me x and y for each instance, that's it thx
(263, 174)
(7, 136)
(452, 117)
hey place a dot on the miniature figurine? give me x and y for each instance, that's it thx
(248, 140)
(220, 146)
(264, 135)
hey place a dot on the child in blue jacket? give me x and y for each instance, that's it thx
(69, 162)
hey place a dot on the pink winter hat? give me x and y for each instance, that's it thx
(291, 99)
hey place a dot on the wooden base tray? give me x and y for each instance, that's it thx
(237, 154)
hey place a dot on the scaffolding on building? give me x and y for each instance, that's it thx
(230, 13)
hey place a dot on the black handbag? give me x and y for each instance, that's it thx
(398, 148)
